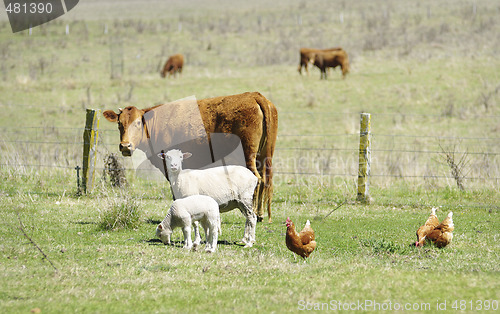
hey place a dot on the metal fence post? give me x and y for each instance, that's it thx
(90, 135)
(364, 159)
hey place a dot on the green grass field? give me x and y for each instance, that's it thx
(427, 72)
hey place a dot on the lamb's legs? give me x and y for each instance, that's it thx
(214, 235)
(197, 237)
(188, 244)
(207, 230)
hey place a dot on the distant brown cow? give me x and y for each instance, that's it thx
(331, 59)
(307, 53)
(173, 65)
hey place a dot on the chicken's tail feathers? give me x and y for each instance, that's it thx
(433, 211)
(450, 219)
(308, 223)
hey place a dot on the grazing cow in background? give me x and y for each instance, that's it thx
(173, 65)
(331, 59)
(307, 53)
(249, 116)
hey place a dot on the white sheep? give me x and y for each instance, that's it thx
(230, 186)
(187, 211)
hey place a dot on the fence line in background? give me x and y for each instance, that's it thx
(16, 164)
(386, 149)
(391, 114)
(277, 148)
(383, 150)
(10, 130)
(353, 175)
(281, 113)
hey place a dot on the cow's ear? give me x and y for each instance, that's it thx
(161, 155)
(110, 115)
(186, 155)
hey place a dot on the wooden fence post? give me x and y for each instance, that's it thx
(90, 135)
(364, 159)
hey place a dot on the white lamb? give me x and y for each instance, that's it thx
(230, 186)
(187, 211)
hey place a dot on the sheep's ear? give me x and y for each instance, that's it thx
(186, 155)
(161, 155)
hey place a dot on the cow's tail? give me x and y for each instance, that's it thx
(269, 132)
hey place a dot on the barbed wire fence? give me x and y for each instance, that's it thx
(321, 159)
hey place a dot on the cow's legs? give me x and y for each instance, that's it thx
(323, 74)
(268, 191)
(259, 199)
(266, 188)
(252, 165)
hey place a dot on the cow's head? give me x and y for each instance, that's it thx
(163, 72)
(130, 124)
(312, 58)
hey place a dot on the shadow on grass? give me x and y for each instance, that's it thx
(181, 243)
(156, 222)
(85, 223)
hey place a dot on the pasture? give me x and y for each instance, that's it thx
(427, 72)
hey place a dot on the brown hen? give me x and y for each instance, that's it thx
(431, 223)
(442, 235)
(302, 243)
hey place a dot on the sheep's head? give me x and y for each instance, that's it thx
(163, 233)
(173, 159)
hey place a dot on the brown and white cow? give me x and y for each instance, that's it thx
(173, 65)
(331, 59)
(249, 116)
(307, 53)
